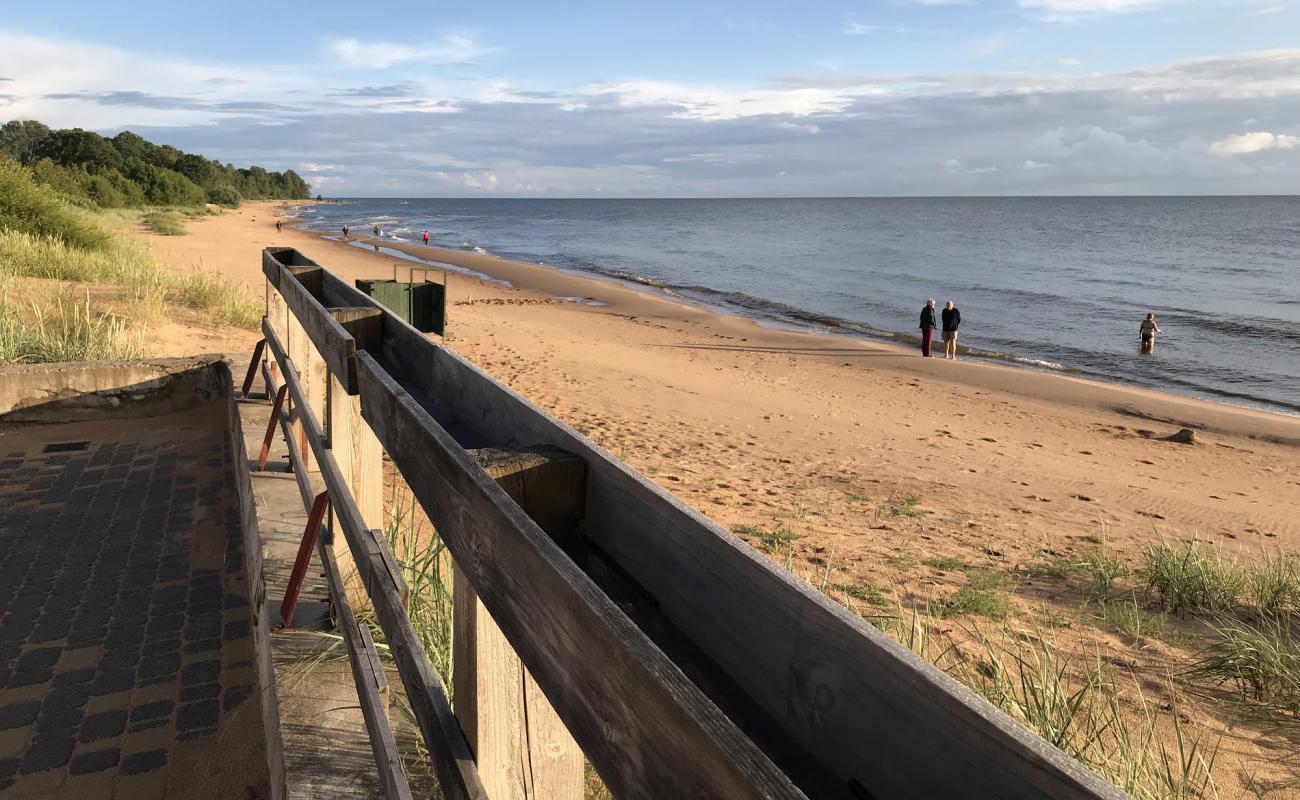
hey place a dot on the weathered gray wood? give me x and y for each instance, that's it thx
(451, 756)
(521, 746)
(851, 696)
(367, 675)
(648, 730)
(330, 338)
(878, 719)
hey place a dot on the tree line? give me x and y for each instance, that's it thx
(126, 170)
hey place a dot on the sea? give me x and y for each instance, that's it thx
(1057, 284)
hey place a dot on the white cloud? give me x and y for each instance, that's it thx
(1031, 165)
(854, 28)
(723, 103)
(1068, 62)
(1068, 9)
(450, 49)
(313, 167)
(1262, 12)
(1254, 142)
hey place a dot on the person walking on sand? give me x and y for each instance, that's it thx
(951, 322)
(376, 230)
(426, 238)
(927, 327)
(1147, 334)
(345, 233)
(277, 226)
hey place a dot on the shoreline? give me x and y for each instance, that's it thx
(615, 296)
(814, 323)
(871, 473)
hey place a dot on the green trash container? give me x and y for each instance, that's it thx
(421, 303)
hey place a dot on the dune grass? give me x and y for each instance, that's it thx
(43, 237)
(1259, 657)
(224, 302)
(65, 330)
(1104, 722)
(1184, 577)
(167, 223)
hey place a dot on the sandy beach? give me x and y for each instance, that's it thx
(853, 461)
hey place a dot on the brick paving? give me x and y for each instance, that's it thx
(126, 659)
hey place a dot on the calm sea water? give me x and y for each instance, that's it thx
(1054, 283)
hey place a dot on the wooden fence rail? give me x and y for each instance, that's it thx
(682, 662)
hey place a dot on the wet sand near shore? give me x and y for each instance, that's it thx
(869, 459)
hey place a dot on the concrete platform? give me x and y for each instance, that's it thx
(134, 652)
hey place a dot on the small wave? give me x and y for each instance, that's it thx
(1040, 363)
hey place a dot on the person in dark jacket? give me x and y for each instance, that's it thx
(951, 322)
(927, 327)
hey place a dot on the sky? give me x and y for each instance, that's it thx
(686, 99)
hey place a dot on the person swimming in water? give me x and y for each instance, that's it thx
(1147, 334)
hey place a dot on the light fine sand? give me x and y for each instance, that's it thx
(830, 437)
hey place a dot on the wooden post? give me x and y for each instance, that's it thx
(522, 749)
(360, 458)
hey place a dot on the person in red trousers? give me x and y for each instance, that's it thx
(927, 327)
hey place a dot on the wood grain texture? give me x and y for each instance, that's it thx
(521, 746)
(360, 462)
(449, 754)
(368, 675)
(648, 730)
(879, 721)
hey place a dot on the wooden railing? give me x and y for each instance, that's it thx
(681, 662)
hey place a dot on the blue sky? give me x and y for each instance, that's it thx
(912, 97)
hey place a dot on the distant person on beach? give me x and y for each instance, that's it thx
(951, 322)
(345, 233)
(277, 226)
(927, 327)
(1147, 333)
(376, 229)
(426, 238)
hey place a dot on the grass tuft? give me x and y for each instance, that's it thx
(985, 594)
(166, 223)
(1260, 658)
(225, 302)
(67, 330)
(1184, 577)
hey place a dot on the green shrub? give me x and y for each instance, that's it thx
(28, 207)
(227, 196)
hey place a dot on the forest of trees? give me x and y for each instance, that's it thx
(126, 170)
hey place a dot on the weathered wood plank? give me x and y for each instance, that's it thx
(522, 749)
(850, 695)
(648, 730)
(450, 755)
(368, 676)
(360, 462)
(331, 340)
(879, 720)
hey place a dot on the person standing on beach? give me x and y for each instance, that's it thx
(426, 238)
(1147, 334)
(927, 327)
(277, 226)
(951, 322)
(376, 229)
(345, 233)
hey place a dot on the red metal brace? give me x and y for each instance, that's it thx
(270, 428)
(304, 557)
(252, 366)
